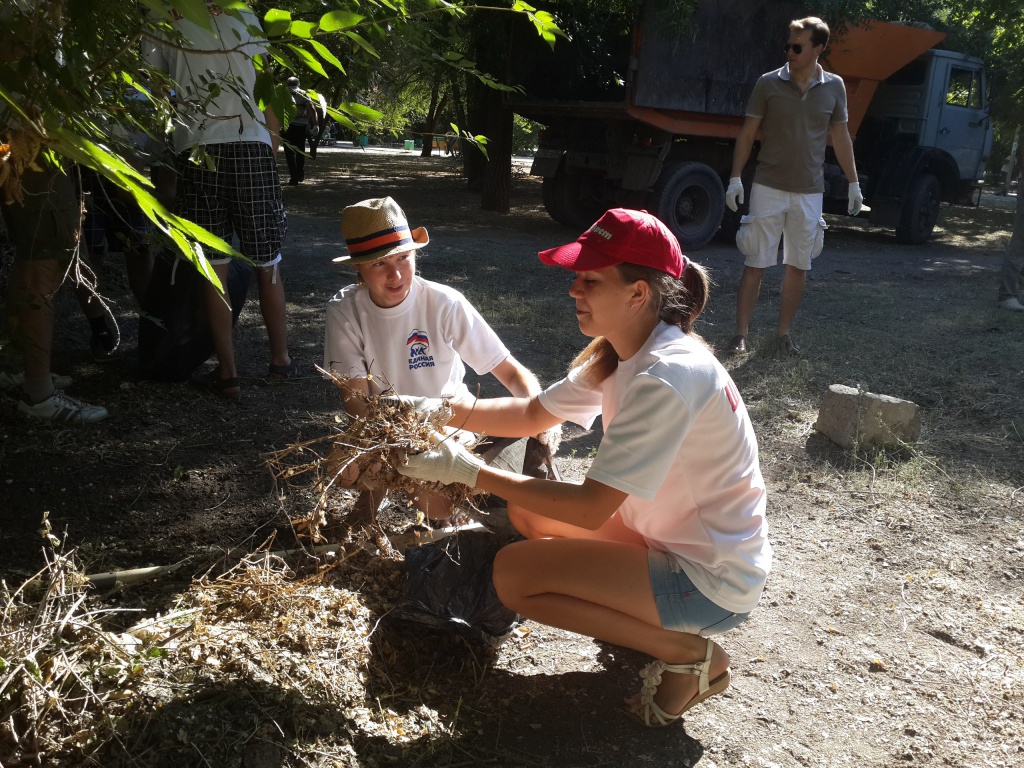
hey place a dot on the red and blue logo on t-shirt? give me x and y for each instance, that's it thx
(419, 350)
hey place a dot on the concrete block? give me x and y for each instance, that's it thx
(853, 418)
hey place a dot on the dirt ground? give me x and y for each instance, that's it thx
(892, 629)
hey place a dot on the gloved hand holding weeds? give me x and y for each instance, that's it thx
(422, 406)
(446, 463)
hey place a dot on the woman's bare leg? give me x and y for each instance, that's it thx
(601, 589)
(534, 526)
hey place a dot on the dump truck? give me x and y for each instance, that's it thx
(649, 121)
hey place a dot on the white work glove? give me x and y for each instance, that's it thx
(856, 198)
(734, 194)
(421, 406)
(446, 463)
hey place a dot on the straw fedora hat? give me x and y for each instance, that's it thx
(377, 228)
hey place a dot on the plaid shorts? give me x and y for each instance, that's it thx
(242, 196)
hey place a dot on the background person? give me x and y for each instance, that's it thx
(1009, 171)
(393, 329)
(796, 108)
(241, 194)
(44, 229)
(113, 222)
(665, 542)
(299, 128)
(1011, 278)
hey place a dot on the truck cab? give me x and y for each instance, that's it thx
(925, 139)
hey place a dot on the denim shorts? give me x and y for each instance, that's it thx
(681, 606)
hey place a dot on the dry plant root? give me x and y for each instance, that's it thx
(366, 452)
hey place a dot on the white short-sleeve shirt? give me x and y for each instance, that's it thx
(679, 441)
(421, 347)
(217, 73)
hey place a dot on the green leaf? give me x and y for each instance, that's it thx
(302, 29)
(362, 43)
(263, 91)
(193, 10)
(360, 111)
(276, 22)
(341, 119)
(543, 21)
(281, 57)
(338, 20)
(308, 59)
(157, 8)
(326, 54)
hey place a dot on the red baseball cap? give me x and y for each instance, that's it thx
(621, 236)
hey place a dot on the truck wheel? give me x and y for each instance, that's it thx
(572, 200)
(552, 193)
(690, 199)
(920, 211)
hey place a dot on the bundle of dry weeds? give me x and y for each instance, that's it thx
(73, 691)
(364, 452)
(58, 670)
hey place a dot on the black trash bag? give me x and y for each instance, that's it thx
(174, 333)
(448, 585)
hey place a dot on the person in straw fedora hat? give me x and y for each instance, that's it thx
(393, 331)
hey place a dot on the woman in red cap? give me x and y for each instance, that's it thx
(664, 544)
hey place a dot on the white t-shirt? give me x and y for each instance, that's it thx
(678, 440)
(416, 348)
(233, 115)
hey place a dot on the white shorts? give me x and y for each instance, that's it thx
(792, 217)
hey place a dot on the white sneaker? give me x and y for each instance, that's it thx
(13, 382)
(1011, 304)
(60, 407)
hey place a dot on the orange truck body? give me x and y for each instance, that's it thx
(863, 56)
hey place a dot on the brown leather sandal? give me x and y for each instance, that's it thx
(787, 345)
(282, 372)
(213, 383)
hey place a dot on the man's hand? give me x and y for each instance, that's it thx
(446, 463)
(734, 194)
(856, 198)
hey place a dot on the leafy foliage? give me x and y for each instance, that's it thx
(74, 85)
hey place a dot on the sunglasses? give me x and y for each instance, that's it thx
(797, 48)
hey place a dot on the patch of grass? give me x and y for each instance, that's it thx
(936, 340)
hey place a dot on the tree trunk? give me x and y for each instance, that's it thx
(431, 122)
(489, 115)
(498, 169)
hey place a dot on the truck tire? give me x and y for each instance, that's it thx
(552, 193)
(920, 211)
(570, 199)
(690, 199)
